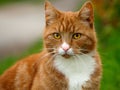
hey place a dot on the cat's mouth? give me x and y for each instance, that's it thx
(66, 56)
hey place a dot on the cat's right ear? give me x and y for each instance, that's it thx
(51, 14)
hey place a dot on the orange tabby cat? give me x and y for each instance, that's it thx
(69, 60)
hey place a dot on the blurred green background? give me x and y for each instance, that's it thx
(107, 24)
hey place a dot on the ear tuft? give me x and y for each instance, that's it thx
(50, 13)
(48, 5)
(86, 13)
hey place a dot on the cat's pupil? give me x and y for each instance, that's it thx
(76, 36)
(56, 35)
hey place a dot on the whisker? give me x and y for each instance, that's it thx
(47, 48)
(40, 58)
(51, 58)
(47, 54)
(80, 53)
(50, 48)
(83, 54)
(82, 49)
(82, 60)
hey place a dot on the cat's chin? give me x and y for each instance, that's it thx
(66, 56)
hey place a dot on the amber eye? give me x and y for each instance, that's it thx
(76, 36)
(56, 35)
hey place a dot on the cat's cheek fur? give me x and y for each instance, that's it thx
(70, 52)
(61, 51)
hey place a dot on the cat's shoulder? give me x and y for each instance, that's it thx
(29, 62)
(32, 58)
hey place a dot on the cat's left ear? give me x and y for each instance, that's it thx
(86, 14)
(51, 13)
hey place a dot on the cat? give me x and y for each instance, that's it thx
(69, 60)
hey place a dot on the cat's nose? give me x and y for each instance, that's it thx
(65, 46)
(65, 49)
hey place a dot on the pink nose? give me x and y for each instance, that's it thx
(65, 46)
(65, 49)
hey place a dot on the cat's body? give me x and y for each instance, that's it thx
(69, 60)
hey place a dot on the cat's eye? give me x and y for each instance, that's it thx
(56, 35)
(76, 36)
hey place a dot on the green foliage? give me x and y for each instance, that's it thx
(109, 47)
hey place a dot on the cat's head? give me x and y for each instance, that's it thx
(69, 33)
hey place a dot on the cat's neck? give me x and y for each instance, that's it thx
(76, 69)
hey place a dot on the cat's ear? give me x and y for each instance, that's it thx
(86, 14)
(51, 13)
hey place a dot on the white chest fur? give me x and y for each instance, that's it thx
(76, 69)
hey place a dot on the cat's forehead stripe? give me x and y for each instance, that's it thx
(66, 26)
